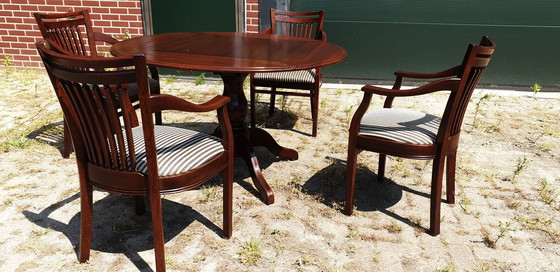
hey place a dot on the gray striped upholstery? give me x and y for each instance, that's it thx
(300, 76)
(178, 150)
(401, 125)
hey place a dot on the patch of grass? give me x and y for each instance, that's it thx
(171, 79)
(547, 195)
(250, 252)
(200, 79)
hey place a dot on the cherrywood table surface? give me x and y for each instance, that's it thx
(231, 51)
(233, 56)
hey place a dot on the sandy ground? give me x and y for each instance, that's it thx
(506, 217)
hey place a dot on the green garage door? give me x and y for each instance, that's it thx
(382, 36)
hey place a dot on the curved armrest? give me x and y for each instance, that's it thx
(161, 102)
(440, 85)
(102, 37)
(455, 71)
(267, 31)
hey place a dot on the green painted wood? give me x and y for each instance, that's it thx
(192, 16)
(382, 36)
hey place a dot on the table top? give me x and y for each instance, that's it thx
(231, 51)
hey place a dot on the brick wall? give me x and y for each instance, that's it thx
(19, 31)
(251, 15)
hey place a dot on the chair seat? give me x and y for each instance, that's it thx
(299, 76)
(401, 125)
(178, 150)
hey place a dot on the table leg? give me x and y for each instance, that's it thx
(246, 139)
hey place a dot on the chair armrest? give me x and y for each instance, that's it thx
(267, 31)
(455, 71)
(102, 37)
(160, 102)
(450, 84)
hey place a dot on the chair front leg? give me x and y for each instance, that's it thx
(253, 106)
(350, 178)
(435, 199)
(86, 221)
(315, 110)
(157, 228)
(450, 177)
(67, 140)
(227, 176)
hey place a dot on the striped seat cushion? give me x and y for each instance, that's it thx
(178, 150)
(401, 125)
(300, 76)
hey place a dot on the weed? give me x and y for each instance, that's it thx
(504, 229)
(171, 79)
(208, 192)
(547, 195)
(250, 253)
(352, 234)
(200, 79)
(7, 61)
(477, 109)
(536, 88)
(522, 164)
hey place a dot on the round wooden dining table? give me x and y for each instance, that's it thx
(233, 56)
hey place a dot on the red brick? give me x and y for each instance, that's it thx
(28, 51)
(135, 11)
(101, 23)
(11, 7)
(129, 4)
(119, 11)
(30, 7)
(37, 2)
(119, 24)
(252, 1)
(11, 51)
(18, 1)
(110, 17)
(136, 24)
(87, 3)
(6, 13)
(55, 2)
(7, 26)
(128, 17)
(13, 20)
(97, 10)
(72, 3)
(110, 4)
(252, 14)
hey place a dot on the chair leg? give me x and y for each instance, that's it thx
(450, 177)
(253, 106)
(139, 205)
(315, 110)
(435, 199)
(272, 101)
(227, 176)
(86, 218)
(157, 228)
(67, 141)
(381, 167)
(159, 119)
(350, 178)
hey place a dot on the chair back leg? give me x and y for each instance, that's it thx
(86, 224)
(350, 178)
(450, 177)
(157, 229)
(381, 167)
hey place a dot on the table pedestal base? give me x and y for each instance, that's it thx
(247, 138)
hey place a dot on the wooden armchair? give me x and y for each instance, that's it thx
(118, 155)
(72, 33)
(415, 135)
(299, 24)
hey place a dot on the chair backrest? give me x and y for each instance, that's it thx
(92, 92)
(298, 24)
(474, 63)
(69, 33)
